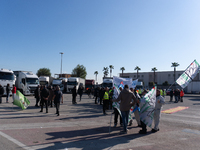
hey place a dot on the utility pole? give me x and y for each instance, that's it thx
(61, 63)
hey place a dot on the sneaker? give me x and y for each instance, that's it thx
(115, 125)
(131, 122)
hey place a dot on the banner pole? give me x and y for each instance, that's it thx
(110, 123)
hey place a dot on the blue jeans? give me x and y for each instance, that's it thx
(125, 115)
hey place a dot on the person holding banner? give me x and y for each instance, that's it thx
(159, 102)
(116, 113)
(126, 97)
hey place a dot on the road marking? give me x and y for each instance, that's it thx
(192, 131)
(173, 110)
(15, 141)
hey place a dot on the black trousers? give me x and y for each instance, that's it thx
(37, 101)
(116, 112)
(144, 126)
(105, 105)
(57, 108)
(73, 99)
(46, 104)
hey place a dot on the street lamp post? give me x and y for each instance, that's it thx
(61, 63)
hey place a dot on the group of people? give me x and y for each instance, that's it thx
(131, 98)
(8, 90)
(177, 94)
(46, 96)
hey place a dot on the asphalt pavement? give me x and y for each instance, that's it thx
(84, 127)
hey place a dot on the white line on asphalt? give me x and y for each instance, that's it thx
(15, 141)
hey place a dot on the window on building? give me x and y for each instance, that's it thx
(134, 76)
(168, 75)
(138, 76)
(142, 76)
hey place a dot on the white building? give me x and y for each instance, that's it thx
(160, 77)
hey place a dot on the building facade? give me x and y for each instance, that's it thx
(161, 78)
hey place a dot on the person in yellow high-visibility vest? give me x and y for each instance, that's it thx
(161, 92)
(105, 100)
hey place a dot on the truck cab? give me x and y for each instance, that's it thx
(75, 81)
(26, 82)
(44, 80)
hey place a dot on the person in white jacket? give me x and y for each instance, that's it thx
(158, 106)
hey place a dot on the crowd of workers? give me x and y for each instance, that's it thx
(48, 96)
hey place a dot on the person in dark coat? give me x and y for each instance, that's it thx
(58, 97)
(7, 92)
(51, 95)
(96, 94)
(80, 91)
(171, 94)
(44, 98)
(1, 93)
(74, 94)
(37, 95)
(101, 94)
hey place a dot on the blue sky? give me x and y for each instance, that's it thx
(99, 33)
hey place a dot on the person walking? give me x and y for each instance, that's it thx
(158, 106)
(80, 91)
(74, 94)
(58, 97)
(101, 94)
(116, 114)
(51, 95)
(126, 97)
(176, 95)
(105, 101)
(44, 98)
(181, 95)
(7, 92)
(171, 94)
(1, 93)
(37, 96)
(14, 90)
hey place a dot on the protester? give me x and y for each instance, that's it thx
(44, 98)
(111, 93)
(1, 93)
(143, 125)
(89, 92)
(171, 94)
(176, 95)
(96, 94)
(58, 97)
(116, 114)
(181, 95)
(80, 91)
(136, 112)
(51, 95)
(105, 100)
(74, 94)
(158, 106)
(14, 90)
(7, 92)
(37, 95)
(126, 97)
(101, 94)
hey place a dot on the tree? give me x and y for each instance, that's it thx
(154, 73)
(43, 72)
(111, 67)
(122, 69)
(137, 68)
(96, 73)
(105, 71)
(175, 64)
(79, 71)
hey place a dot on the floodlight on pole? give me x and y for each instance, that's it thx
(61, 63)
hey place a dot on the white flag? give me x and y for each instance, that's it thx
(147, 107)
(189, 74)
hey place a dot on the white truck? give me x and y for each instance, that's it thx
(26, 82)
(107, 82)
(44, 80)
(75, 81)
(7, 77)
(58, 82)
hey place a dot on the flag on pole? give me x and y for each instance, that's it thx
(147, 107)
(189, 74)
(134, 83)
(20, 100)
(117, 83)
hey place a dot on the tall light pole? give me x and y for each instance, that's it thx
(61, 63)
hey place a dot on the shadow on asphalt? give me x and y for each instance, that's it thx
(194, 99)
(86, 139)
